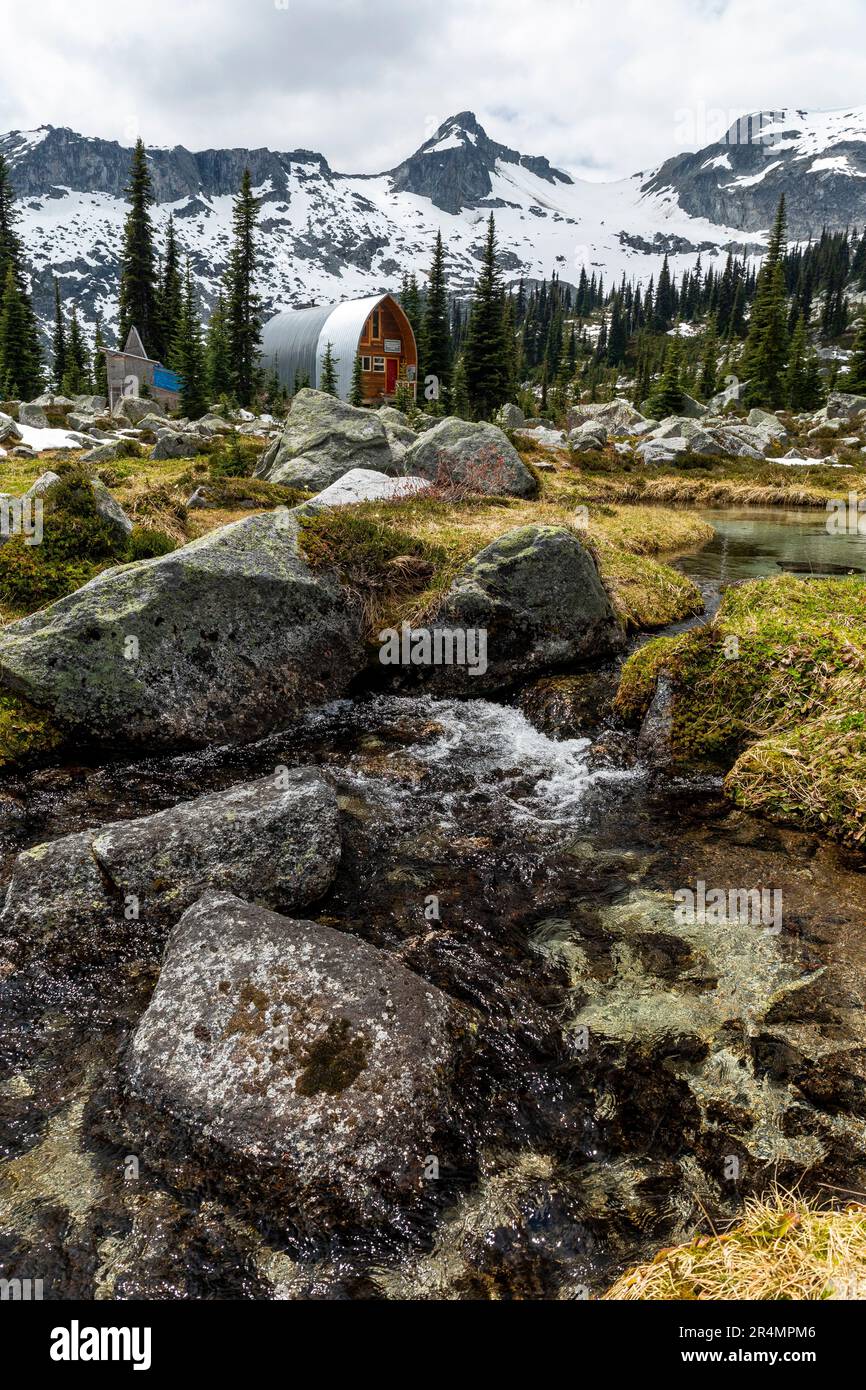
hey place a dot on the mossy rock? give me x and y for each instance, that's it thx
(25, 732)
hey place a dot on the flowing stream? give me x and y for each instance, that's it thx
(551, 853)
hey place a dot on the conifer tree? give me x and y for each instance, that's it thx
(328, 372)
(667, 398)
(485, 359)
(243, 309)
(709, 369)
(100, 369)
(857, 367)
(24, 354)
(58, 341)
(138, 295)
(217, 367)
(170, 298)
(187, 354)
(460, 405)
(76, 377)
(356, 390)
(435, 332)
(766, 347)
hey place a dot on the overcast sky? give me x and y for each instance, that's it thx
(602, 87)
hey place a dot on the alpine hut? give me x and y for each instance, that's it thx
(374, 328)
(130, 372)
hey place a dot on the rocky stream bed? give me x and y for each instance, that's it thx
(589, 1076)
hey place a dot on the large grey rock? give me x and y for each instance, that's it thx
(9, 431)
(293, 1064)
(274, 841)
(476, 456)
(135, 408)
(588, 436)
(365, 485)
(537, 595)
(95, 405)
(322, 439)
(844, 406)
(510, 417)
(618, 416)
(397, 427)
(110, 451)
(29, 413)
(223, 639)
(656, 451)
(173, 445)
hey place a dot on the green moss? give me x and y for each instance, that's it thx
(25, 732)
(774, 690)
(145, 543)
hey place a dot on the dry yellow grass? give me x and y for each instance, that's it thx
(782, 1248)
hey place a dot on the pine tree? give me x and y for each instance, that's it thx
(138, 296)
(217, 366)
(328, 372)
(356, 391)
(100, 369)
(460, 405)
(485, 357)
(856, 380)
(188, 354)
(243, 308)
(766, 348)
(667, 398)
(435, 332)
(25, 369)
(170, 298)
(13, 337)
(76, 377)
(709, 370)
(58, 341)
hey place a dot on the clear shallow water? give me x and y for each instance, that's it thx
(753, 542)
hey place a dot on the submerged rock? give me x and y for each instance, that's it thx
(537, 595)
(291, 1063)
(322, 439)
(276, 841)
(225, 638)
(478, 457)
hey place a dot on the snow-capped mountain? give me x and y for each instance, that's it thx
(326, 236)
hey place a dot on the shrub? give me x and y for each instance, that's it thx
(146, 542)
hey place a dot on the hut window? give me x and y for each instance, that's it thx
(378, 364)
(377, 327)
(365, 364)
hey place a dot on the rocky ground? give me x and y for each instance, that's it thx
(321, 978)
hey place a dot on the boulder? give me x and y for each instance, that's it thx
(510, 417)
(323, 438)
(275, 841)
(692, 409)
(589, 435)
(399, 432)
(365, 485)
(173, 445)
(293, 1065)
(43, 484)
(109, 509)
(110, 451)
(476, 456)
(537, 595)
(29, 413)
(655, 451)
(223, 639)
(9, 431)
(844, 406)
(94, 405)
(135, 408)
(618, 416)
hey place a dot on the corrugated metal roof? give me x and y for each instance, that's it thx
(294, 341)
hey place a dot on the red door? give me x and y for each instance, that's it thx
(391, 365)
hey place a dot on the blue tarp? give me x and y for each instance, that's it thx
(166, 380)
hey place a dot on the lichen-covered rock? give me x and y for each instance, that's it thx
(845, 406)
(134, 408)
(537, 595)
(9, 431)
(107, 506)
(223, 639)
(172, 444)
(290, 1063)
(510, 417)
(365, 485)
(29, 413)
(476, 456)
(276, 841)
(618, 416)
(322, 439)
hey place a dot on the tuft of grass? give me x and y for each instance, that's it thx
(783, 1248)
(774, 692)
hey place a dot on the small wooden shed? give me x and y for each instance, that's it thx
(131, 372)
(375, 328)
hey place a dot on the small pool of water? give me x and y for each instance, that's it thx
(753, 542)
